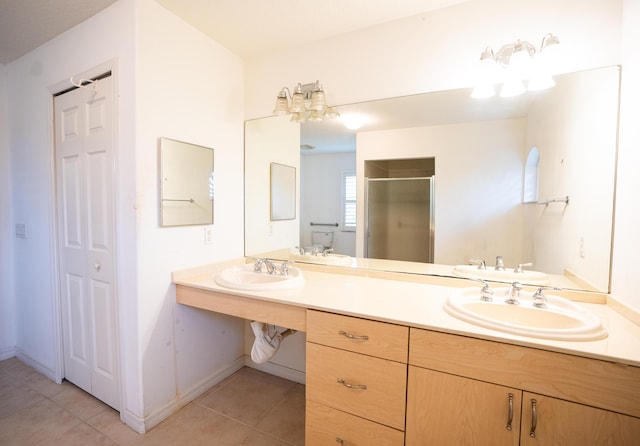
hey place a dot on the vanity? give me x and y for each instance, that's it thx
(386, 365)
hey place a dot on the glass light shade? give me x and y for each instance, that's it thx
(316, 116)
(512, 87)
(282, 106)
(331, 113)
(297, 103)
(297, 117)
(483, 91)
(541, 82)
(520, 64)
(318, 100)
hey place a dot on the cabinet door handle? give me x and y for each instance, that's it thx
(510, 420)
(534, 419)
(352, 386)
(352, 336)
(339, 440)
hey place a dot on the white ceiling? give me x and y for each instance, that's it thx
(246, 27)
(27, 24)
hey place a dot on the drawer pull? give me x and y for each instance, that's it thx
(352, 336)
(510, 420)
(339, 440)
(352, 386)
(534, 419)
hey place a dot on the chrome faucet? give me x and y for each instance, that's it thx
(481, 263)
(539, 299)
(513, 294)
(499, 263)
(326, 252)
(518, 269)
(268, 264)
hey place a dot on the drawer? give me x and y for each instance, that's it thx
(325, 426)
(373, 338)
(331, 371)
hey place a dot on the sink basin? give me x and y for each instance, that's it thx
(329, 259)
(562, 319)
(245, 278)
(508, 275)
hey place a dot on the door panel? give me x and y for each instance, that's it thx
(84, 170)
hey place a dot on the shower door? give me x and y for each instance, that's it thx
(399, 219)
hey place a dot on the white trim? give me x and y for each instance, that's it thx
(37, 365)
(7, 352)
(183, 398)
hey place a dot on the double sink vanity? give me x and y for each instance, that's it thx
(396, 358)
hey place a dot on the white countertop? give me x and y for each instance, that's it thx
(418, 305)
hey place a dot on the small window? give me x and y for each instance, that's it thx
(348, 201)
(531, 177)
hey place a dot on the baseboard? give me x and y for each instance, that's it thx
(7, 352)
(277, 370)
(46, 371)
(185, 397)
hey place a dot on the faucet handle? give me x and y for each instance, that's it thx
(539, 299)
(283, 269)
(514, 293)
(486, 293)
(499, 263)
(481, 263)
(326, 252)
(518, 269)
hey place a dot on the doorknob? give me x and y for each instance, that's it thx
(97, 267)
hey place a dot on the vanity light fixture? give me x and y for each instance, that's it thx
(308, 103)
(514, 64)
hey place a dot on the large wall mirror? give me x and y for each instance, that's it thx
(186, 184)
(480, 149)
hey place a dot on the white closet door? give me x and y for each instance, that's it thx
(84, 175)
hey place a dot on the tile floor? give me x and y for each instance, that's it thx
(248, 408)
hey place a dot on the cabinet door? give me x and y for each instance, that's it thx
(550, 421)
(445, 409)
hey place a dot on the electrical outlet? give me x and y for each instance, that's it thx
(208, 235)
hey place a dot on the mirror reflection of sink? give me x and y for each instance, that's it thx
(562, 319)
(329, 259)
(245, 278)
(508, 275)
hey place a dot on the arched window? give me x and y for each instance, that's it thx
(531, 176)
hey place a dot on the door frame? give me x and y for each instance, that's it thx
(54, 90)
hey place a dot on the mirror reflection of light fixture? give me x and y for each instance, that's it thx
(308, 103)
(514, 64)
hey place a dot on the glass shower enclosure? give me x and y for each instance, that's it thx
(399, 218)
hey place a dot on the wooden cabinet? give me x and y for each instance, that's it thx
(356, 381)
(444, 409)
(561, 423)
(463, 391)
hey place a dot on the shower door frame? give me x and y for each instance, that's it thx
(431, 179)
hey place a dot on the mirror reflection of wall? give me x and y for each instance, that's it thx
(324, 176)
(482, 148)
(266, 142)
(186, 173)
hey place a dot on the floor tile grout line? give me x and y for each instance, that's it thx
(242, 423)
